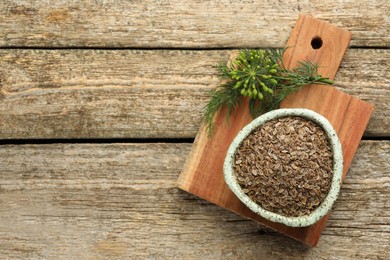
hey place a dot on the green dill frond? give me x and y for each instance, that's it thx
(222, 96)
(261, 76)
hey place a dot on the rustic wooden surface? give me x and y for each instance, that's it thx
(142, 93)
(118, 200)
(182, 24)
(139, 71)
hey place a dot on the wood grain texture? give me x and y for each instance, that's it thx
(182, 24)
(203, 172)
(120, 201)
(142, 94)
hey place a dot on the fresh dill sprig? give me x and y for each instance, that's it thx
(223, 96)
(261, 76)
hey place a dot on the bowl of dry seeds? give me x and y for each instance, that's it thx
(286, 166)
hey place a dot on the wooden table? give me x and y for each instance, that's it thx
(99, 105)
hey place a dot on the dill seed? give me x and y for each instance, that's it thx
(285, 166)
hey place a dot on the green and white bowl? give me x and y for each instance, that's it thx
(326, 205)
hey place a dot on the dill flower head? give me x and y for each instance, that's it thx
(254, 73)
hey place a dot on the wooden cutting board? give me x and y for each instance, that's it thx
(318, 42)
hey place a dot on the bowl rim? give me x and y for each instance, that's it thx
(334, 190)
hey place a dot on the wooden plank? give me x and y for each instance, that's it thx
(119, 201)
(203, 171)
(182, 24)
(142, 94)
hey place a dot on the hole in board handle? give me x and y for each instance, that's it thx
(316, 42)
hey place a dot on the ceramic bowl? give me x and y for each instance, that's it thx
(331, 197)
